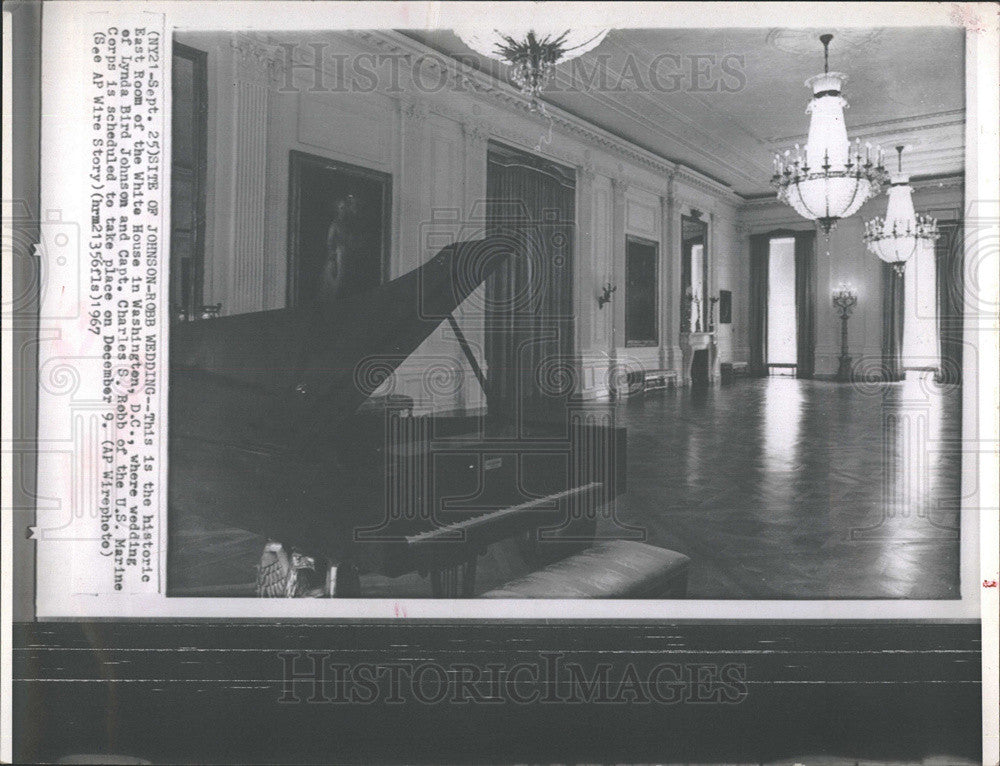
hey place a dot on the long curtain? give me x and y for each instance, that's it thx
(949, 260)
(529, 324)
(893, 296)
(805, 302)
(759, 245)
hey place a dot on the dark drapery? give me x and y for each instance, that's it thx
(949, 260)
(892, 322)
(805, 302)
(529, 324)
(759, 245)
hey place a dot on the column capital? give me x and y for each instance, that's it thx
(414, 109)
(476, 133)
(255, 62)
(587, 172)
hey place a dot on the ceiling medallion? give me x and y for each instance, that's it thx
(801, 42)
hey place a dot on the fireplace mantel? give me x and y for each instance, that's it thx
(692, 342)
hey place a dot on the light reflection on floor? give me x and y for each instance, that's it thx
(775, 487)
(802, 489)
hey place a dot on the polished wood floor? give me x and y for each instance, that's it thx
(796, 489)
(776, 488)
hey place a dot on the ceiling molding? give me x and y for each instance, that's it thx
(708, 146)
(698, 181)
(935, 158)
(731, 140)
(894, 126)
(490, 90)
(919, 183)
(761, 200)
(944, 181)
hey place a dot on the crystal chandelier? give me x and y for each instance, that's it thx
(895, 237)
(830, 180)
(531, 53)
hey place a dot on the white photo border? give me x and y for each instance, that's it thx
(62, 23)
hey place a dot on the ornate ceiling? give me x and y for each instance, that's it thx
(723, 101)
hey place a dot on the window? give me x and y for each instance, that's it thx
(782, 340)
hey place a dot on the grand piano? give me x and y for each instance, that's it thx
(272, 430)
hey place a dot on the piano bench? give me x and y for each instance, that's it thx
(613, 569)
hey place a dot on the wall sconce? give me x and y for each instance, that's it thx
(605, 296)
(845, 298)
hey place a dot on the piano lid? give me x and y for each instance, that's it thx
(323, 360)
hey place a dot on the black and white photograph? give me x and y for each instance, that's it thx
(573, 420)
(537, 382)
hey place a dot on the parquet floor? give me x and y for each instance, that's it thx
(796, 489)
(777, 488)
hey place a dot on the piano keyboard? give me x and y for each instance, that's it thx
(461, 530)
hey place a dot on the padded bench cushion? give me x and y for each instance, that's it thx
(613, 569)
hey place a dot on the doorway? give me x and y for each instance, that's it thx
(531, 204)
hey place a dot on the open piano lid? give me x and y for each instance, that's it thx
(261, 433)
(309, 368)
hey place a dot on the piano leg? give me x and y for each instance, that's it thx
(458, 581)
(469, 578)
(342, 581)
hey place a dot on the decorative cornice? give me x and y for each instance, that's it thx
(484, 88)
(762, 201)
(476, 133)
(668, 195)
(414, 109)
(700, 182)
(918, 183)
(948, 181)
(893, 126)
(501, 130)
(255, 62)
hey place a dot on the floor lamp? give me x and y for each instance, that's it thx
(845, 298)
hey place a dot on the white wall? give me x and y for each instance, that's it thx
(434, 145)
